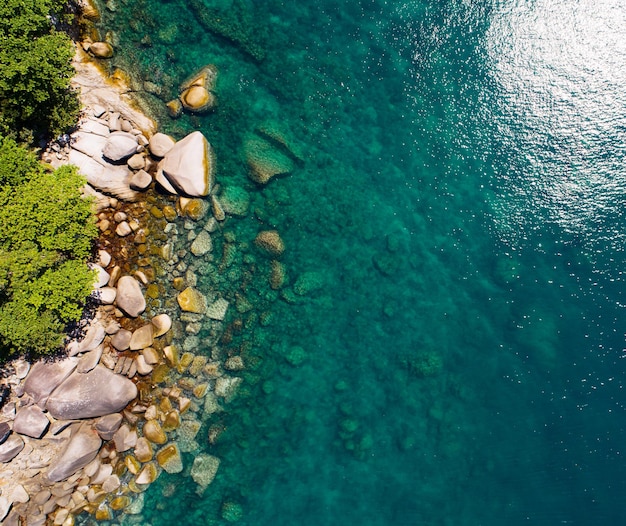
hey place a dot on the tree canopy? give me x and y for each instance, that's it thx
(35, 70)
(46, 236)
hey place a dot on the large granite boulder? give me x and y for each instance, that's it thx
(96, 393)
(31, 421)
(46, 377)
(130, 297)
(119, 146)
(81, 449)
(189, 166)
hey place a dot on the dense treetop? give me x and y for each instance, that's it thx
(35, 70)
(47, 231)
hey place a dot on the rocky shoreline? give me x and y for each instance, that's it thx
(89, 433)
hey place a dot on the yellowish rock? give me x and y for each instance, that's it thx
(154, 433)
(169, 459)
(178, 283)
(148, 474)
(103, 513)
(132, 464)
(205, 78)
(174, 108)
(192, 300)
(200, 390)
(185, 361)
(101, 50)
(195, 208)
(169, 212)
(197, 99)
(119, 503)
(165, 405)
(171, 353)
(172, 421)
(89, 10)
(183, 404)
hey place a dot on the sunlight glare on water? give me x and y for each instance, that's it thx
(559, 69)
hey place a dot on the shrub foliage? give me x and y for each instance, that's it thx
(35, 70)
(46, 235)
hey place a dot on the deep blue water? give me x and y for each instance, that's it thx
(459, 359)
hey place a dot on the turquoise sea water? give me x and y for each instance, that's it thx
(456, 230)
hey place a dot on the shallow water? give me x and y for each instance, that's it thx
(457, 218)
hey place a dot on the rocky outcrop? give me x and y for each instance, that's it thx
(96, 393)
(189, 166)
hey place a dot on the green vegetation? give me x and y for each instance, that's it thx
(35, 71)
(47, 234)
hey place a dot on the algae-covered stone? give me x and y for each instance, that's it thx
(265, 161)
(232, 511)
(235, 201)
(202, 244)
(278, 275)
(270, 242)
(192, 300)
(308, 282)
(204, 469)
(169, 459)
(217, 309)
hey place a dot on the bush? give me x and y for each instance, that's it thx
(47, 231)
(35, 70)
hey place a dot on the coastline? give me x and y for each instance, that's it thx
(123, 451)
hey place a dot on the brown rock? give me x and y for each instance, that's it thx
(101, 50)
(270, 242)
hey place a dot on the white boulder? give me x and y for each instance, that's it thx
(119, 146)
(130, 297)
(189, 166)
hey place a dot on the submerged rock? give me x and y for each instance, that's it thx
(204, 469)
(192, 300)
(265, 161)
(270, 242)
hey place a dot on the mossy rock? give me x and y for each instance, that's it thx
(265, 161)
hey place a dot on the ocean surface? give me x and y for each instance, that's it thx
(449, 348)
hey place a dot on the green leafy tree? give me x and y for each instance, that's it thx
(35, 70)
(46, 236)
